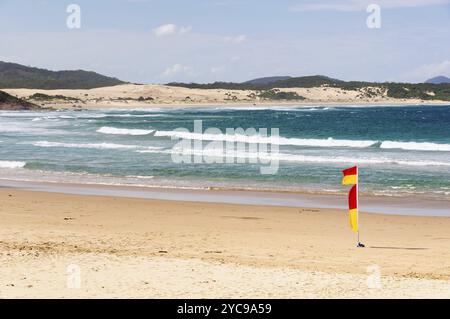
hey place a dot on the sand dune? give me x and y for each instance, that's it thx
(132, 96)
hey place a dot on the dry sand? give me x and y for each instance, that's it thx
(148, 248)
(127, 96)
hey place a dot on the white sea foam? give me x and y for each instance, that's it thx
(330, 142)
(123, 131)
(11, 127)
(50, 118)
(305, 142)
(415, 146)
(20, 114)
(66, 117)
(140, 177)
(12, 164)
(296, 157)
(84, 145)
(136, 115)
(96, 146)
(29, 126)
(350, 160)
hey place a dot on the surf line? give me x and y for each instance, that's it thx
(240, 146)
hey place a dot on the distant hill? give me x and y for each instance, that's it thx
(308, 81)
(14, 75)
(9, 102)
(438, 80)
(424, 91)
(266, 83)
(267, 80)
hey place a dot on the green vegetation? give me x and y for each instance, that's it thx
(145, 99)
(139, 99)
(18, 76)
(425, 91)
(231, 97)
(305, 81)
(14, 75)
(308, 82)
(267, 80)
(45, 97)
(9, 102)
(217, 85)
(275, 94)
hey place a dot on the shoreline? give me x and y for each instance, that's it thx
(262, 105)
(177, 249)
(249, 106)
(403, 206)
(246, 106)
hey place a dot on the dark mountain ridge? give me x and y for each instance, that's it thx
(13, 75)
(267, 80)
(438, 80)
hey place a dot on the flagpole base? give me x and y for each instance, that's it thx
(360, 245)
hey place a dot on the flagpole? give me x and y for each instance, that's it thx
(357, 200)
(357, 205)
(351, 177)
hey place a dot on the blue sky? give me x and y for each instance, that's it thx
(157, 41)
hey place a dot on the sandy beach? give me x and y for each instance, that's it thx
(132, 96)
(225, 150)
(129, 247)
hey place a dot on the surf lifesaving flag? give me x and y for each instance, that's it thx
(351, 178)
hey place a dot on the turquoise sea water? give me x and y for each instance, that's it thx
(401, 151)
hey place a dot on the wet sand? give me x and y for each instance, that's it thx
(410, 206)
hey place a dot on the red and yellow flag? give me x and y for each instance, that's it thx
(351, 178)
(353, 207)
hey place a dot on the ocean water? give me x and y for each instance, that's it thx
(400, 151)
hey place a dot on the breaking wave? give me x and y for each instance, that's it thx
(12, 164)
(94, 145)
(253, 139)
(123, 131)
(263, 156)
(415, 146)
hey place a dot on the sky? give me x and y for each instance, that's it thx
(160, 41)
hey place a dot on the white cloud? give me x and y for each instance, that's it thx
(359, 5)
(166, 29)
(236, 39)
(170, 29)
(176, 69)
